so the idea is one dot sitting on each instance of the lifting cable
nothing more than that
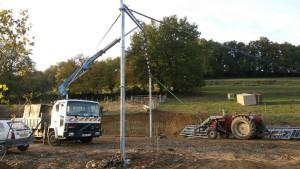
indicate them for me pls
(109, 30)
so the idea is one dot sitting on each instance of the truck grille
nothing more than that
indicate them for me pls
(82, 127)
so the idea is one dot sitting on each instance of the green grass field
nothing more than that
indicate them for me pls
(280, 106)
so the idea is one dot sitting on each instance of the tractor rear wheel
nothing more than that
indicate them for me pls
(212, 133)
(243, 128)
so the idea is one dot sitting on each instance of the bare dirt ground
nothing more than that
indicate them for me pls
(160, 153)
(174, 151)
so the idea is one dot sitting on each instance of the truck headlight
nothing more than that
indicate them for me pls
(97, 133)
(71, 134)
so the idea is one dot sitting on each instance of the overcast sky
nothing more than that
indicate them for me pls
(66, 28)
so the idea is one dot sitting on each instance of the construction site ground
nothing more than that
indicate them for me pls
(167, 149)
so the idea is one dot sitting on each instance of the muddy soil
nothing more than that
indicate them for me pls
(172, 151)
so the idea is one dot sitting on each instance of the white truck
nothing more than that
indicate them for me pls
(65, 120)
(68, 119)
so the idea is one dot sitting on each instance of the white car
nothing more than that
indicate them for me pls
(14, 134)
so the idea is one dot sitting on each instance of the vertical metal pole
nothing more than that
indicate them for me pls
(150, 84)
(122, 65)
(150, 104)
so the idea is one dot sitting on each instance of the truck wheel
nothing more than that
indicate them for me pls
(243, 128)
(52, 140)
(3, 149)
(23, 147)
(212, 133)
(86, 140)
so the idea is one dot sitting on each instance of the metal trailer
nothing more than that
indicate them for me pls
(36, 117)
(240, 126)
(204, 130)
(283, 132)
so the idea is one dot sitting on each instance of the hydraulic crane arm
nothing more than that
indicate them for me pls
(85, 67)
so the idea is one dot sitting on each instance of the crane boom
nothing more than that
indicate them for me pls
(85, 67)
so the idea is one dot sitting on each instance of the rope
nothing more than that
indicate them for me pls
(169, 91)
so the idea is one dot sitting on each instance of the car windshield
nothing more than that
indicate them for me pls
(85, 109)
(18, 125)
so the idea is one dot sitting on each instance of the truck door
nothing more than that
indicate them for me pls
(59, 121)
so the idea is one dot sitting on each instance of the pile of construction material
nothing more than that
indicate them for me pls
(246, 99)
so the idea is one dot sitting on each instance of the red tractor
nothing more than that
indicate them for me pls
(241, 126)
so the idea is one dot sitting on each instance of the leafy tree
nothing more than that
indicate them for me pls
(174, 54)
(256, 59)
(102, 75)
(113, 75)
(268, 56)
(212, 55)
(3, 88)
(15, 43)
(50, 74)
(35, 83)
(96, 77)
(65, 69)
(290, 60)
(136, 59)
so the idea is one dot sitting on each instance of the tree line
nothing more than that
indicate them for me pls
(259, 58)
(171, 51)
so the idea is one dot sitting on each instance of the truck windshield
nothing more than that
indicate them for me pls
(85, 109)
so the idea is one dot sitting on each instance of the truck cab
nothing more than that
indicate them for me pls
(74, 120)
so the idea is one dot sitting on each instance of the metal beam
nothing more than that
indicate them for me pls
(122, 102)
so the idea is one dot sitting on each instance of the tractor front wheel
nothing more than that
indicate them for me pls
(212, 133)
(243, 128)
